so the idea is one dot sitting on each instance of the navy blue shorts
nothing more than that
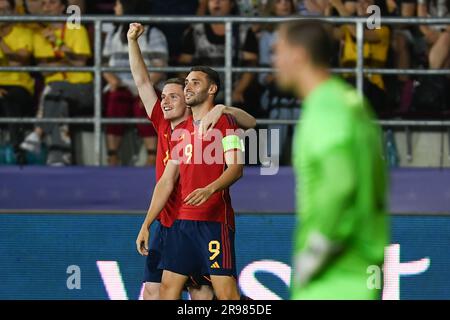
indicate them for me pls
(151, 272)
(155, 243)
(197, 248)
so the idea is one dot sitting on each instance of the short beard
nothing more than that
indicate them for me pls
(197, 100)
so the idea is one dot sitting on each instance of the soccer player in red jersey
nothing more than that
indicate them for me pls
(201, 240)
(165, 115)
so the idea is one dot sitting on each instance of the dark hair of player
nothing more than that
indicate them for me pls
(212, 76)
(179, 81)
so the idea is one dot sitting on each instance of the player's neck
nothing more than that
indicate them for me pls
(176, 122)
(199, 111)
(309, 80)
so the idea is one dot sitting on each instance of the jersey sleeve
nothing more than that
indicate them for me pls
(157, 116)
(336, 127)
(335, 219)
(336, 158)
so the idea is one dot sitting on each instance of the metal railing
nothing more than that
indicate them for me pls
(228, 69)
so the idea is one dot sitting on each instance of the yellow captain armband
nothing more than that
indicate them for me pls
(232, 142)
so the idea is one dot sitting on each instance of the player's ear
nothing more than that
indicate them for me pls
(212, 89)
(299, 56)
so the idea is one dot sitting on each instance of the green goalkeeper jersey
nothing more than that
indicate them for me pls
(341, 187)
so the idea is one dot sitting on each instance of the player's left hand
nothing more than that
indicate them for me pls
(198, 196)
(210, 119)
(142, 241)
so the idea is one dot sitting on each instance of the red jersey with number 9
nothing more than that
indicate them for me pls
(201, 162)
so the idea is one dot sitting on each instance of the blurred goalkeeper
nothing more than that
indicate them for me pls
(341, 176)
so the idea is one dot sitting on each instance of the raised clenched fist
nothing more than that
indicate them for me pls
(135, 31)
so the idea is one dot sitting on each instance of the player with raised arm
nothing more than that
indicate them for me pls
(165, 116)
(201, 240)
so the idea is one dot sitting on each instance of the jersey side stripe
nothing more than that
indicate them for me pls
(225, 255)
(227, 240)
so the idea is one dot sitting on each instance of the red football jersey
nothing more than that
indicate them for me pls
(202, 161)
(162, 126)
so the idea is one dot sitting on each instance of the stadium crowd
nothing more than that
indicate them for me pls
(70, 94)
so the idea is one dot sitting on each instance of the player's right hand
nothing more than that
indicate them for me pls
(135, 31)
(142, 241)
(210, 120)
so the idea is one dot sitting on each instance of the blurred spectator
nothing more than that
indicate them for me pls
(100, 7)
(246, 8)
(279, 105)
(392, 7)
(403, 40)
(204, 44)
(66, 93)
(250, 8)
(174, 31)
(343, 8)
(376, 47)
(121, 96)
(437, 36)
(80, 3)
(33, 7)
(19, 7)
(312, 7)
(431, 93)
(202, 8)
(16, 88)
